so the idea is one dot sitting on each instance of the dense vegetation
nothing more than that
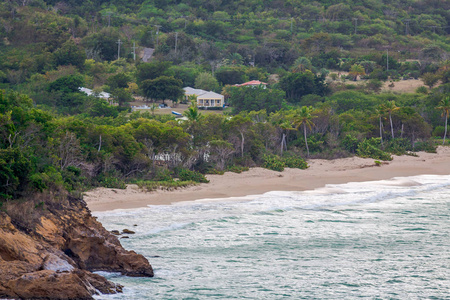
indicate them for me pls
(56, 138)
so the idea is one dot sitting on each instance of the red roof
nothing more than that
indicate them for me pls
(253, 82)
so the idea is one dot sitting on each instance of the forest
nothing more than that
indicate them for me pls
(326, 64)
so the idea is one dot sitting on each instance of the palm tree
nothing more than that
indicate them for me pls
(194, 117)
(390, 107)
(285, 127)
(301, 64)
(444, 105)
(356, 70)
(192, 113)
(305, 118)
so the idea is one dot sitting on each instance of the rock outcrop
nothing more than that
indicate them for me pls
(50, 252)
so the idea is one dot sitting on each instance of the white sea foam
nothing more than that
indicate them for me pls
(360, 239)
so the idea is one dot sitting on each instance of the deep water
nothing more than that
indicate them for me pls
(373, 240)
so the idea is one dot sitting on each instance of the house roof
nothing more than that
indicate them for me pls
(90, 92)
(191, 91)
(252, 83)
(210, 95)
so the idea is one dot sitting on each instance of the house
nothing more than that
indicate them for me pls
(188, 91)
(210, 99)
(253, 83)
(106, 96)
(205, 99)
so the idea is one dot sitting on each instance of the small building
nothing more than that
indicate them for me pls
(188, 91)
(210, 99)
(104, 95)
(253, 83)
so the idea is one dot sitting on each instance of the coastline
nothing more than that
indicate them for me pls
(258, 181)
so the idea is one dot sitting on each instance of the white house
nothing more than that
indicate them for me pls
(210, 99)
(188, 91)
(104, 95)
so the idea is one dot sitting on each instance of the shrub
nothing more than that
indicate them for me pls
(438, 131)
(422, 90)
(162, 174)
(163, 185)
(236, 169)
(188, 175)
(295, 162)
(367, 149)
(350, 143)
(273, 162)
(398, 146)
(112, 182)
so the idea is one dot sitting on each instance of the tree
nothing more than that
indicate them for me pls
(220, 151)
(230, 75)
(241, 124)
(297, 85)
(430, 79)
(70, 54)
(380, 112)
(304, 118)
(206, 81)
(390, 107)
(444, 106)
(255, 99)
(152, 70)
(118, 81)
(301, 64)
(162, 88)
(356, 70)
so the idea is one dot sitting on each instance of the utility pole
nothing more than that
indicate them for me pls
(134, 51)
(356, 23)
(119, 42)
(157, 34)
(176, 41)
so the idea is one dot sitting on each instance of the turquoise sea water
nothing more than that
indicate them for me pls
(374, 240)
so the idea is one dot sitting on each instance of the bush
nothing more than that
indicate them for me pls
(188, 175)
(350, 143)
(164, 185)
(162, 174)
(236, 169)
(427, 146)
(398, 146)
(422, 90)
(295, 162)
(438, 131)
(112, 182)
(368, 149)
(273, 162)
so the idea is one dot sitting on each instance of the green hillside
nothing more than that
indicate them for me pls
(327, 64)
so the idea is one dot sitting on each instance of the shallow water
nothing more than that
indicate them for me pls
(377, 240)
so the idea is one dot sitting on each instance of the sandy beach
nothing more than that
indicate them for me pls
(258, 181)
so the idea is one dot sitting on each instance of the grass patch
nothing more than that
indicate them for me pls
(150, 186)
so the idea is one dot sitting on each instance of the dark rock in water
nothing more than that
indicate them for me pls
(128, 231)
(52, 254)
(115, 232)
(135, 225)
(125, 237)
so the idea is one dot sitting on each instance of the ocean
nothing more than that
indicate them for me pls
(385, 239)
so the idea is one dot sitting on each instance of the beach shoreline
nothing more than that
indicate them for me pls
(258, 181)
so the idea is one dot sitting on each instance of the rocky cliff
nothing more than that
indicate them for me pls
(49, 249)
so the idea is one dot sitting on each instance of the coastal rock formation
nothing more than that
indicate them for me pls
(49, 252)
